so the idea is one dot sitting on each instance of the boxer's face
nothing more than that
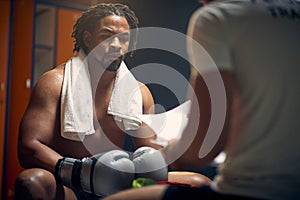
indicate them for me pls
(110, 41)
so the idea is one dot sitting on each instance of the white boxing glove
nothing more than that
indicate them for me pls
(150, 163)
(102, 174)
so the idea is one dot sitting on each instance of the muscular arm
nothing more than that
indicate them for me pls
(190, 157)
(40, 123)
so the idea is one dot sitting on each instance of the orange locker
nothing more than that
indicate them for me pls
(64, 44)
(25, 47)
(21, 63)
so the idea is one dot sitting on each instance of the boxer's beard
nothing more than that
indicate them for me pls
(115, 65)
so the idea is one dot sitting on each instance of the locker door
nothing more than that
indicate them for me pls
(20, 76)
(66, 20)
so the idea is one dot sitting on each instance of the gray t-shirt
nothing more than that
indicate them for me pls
(259, 42)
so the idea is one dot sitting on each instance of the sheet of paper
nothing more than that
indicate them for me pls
(170, 124)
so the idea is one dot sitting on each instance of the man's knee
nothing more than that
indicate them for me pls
(191, 178)
(33, 184)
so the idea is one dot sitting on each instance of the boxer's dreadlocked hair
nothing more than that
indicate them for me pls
(91, 19)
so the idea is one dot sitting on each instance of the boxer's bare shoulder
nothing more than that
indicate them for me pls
(50, 82)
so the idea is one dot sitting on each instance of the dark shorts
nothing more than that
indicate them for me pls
(81, 195)
(175, 192)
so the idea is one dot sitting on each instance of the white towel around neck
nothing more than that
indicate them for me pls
(77, 99)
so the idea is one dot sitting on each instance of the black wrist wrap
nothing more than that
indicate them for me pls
(76, 175)
(57, 170)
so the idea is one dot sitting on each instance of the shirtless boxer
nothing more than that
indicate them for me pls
(40, 143)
